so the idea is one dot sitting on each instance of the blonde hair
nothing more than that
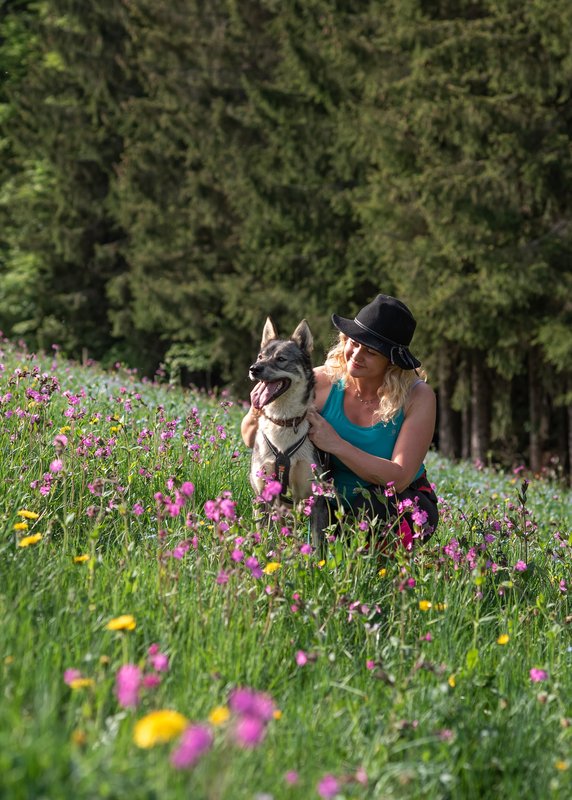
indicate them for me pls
(393, 392)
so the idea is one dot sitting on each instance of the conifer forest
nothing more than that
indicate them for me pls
(173, 172)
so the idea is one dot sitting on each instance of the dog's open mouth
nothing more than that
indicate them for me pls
(266, 392)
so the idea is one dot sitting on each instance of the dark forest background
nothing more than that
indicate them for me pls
(172, 172)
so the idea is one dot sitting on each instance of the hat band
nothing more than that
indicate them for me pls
(377, 335)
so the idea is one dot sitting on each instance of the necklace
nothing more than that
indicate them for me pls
(365, 402)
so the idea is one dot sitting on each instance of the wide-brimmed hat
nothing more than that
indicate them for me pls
(385, 325)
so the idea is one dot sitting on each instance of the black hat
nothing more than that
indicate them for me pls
(386, 325)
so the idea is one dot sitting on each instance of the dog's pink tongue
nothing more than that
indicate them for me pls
(264, 393)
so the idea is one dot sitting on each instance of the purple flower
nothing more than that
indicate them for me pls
(306, 549)
(195, 742)
(159, 661)
(520, 566)
(128, 683)
(249, 731)
(328, 787)
(57, 465)
(249, 702)
(291, 777)
(187, 489)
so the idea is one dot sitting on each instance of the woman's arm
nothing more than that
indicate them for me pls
(408, 453)
(249, 426)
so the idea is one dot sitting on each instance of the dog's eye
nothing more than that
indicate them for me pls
(281, 359)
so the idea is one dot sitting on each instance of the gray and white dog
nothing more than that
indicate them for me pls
(282, 448)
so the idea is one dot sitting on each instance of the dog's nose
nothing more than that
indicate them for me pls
(254, 369)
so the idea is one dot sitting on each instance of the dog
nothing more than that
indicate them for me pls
(282, 448)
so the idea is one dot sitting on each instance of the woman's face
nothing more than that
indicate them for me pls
(363, 362)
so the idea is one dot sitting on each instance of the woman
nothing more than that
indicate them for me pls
(375, 416)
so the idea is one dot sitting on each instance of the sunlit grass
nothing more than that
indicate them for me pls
(443, 675)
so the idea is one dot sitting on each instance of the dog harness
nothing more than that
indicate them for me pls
(282, 463)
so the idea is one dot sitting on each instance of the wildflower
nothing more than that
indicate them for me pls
(252, 564)
(219, 715)
(382, 572)
(151, 681)
(249, 731)
(28, 540)
(21, 526)
(27, 514)
(251, 703)
(56, 465)
(195, 742)
(306, 549)
(451, 680)
(222, 577)
(271, 567)
(128, 685)
(370, 663)
(503, 639)
(81, 559)
(187, 489)
(71, 675)
(126, 622)
(158, 727)
(271, 490)
(520, 566)
(561, 765)
(537, 675)
(328, 787)
(301, 658)
(159, 661)
(425, 605)
(291, 777)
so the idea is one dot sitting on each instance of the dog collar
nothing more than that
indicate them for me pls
(294, 422)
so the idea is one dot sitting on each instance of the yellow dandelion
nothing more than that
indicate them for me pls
(82, 683)
(451, 681)
(503, 638)
(562, 765)
(126, 622)
(219, 715)
(277, 714)
(271, 567)
(382, 572)
(27, 514)
(65, 429)
(322, 563)
(28, 540)
(21, 526)
(158, 727)
(425, 605)
(81, 559)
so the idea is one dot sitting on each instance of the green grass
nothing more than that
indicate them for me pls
(421, 698)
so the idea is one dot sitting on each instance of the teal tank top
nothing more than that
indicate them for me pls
(377, 440)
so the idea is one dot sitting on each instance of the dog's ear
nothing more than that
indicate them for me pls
(268, 333)
(302, 336)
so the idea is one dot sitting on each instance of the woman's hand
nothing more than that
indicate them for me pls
(321, 433)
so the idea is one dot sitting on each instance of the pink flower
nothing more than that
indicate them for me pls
(248, 702)
(195, 742)
(187, 489)
(57, 465)
(249, 731)
(301, 658)
(271, 490)
(159, 661)
(306, 549)
(71, 675)
(291, 777)
(222, 577)
(151, 681)
(537, 675)
(328, 787)
(128, 683)
(520, 566)
(138, 509)
(370, 663)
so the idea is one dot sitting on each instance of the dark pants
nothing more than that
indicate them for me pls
(419, 497)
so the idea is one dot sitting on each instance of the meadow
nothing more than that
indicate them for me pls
(161, 639)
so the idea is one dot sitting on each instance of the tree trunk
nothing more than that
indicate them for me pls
(480, 409)
(569, 414)
(534, 413)
(448, 427)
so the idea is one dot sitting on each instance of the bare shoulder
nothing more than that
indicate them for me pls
(421, 395)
